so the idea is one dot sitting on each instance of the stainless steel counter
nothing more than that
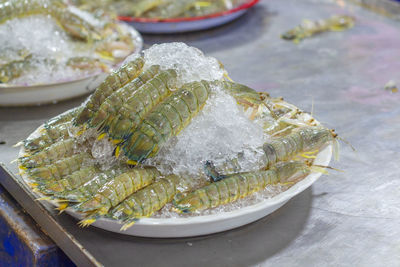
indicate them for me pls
(349, 218)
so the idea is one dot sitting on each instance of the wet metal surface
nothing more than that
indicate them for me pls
(348, 218)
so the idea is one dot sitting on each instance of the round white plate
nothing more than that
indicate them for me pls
(177, 25)
(15, 95)
(207, 224)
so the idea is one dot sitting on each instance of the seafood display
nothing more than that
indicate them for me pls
(149, 140)
(161, 9)
(309, 28)
(47, 41)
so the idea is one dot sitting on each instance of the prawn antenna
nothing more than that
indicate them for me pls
(346, 142)
(312, 106)
(328, 167)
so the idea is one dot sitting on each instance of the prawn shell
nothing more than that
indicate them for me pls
(148, 200)
(299, 140)
(140, 103)
(64, 117)
(59, 169)
(166, 120)
(109, 109)
(71, 181)
(237, 186)
(243, 94)
(48, 136)
(115, 191)
(54, 152)
(113, 82)
(88, 189)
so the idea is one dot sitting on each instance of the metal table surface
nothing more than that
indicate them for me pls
(349, 218)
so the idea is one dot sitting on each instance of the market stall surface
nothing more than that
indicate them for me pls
(348, 218)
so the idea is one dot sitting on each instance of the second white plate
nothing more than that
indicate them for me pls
(53, 92)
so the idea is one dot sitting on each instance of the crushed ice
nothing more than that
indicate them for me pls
(220, 132)
(189, 62)
(102, 152)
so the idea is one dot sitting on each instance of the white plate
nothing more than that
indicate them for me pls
(207, 224)
(177, 25)
(11, 95)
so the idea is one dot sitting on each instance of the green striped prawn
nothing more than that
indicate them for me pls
(79, 186)
(53, 130)
(115, 191)
(149, 95)
(109, 109)
(48, 136)
(14, 68)
(166, 120)
(70, 181)
(140, 7)
(86, 190)
(64, 117)
(300, 142)
(171, 9)
(243, 94)
(112, 83)
(59, 169)
(203, 8)
(56, 151)
(239, 185)
(309, 28)
(147, 201)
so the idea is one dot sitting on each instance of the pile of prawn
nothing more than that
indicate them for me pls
(106, 41)
(160, 9)
(139, 110)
